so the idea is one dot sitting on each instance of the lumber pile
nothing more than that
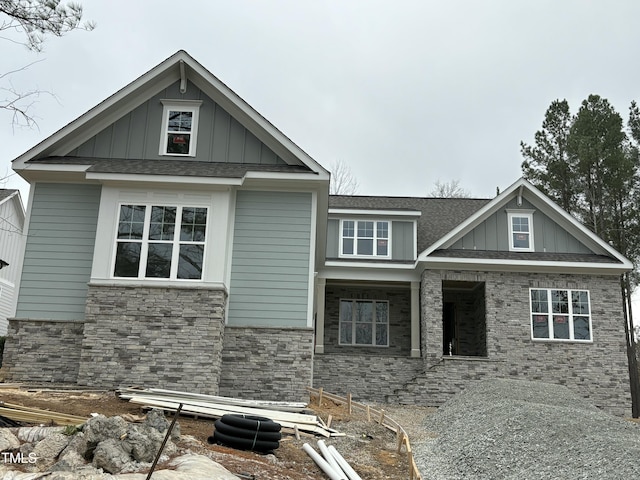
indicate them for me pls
(19, 413)
(287, 414)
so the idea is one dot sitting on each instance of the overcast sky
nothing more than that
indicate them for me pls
(405, 93)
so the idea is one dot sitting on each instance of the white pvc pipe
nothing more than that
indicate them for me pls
(330, 459)
(324, 466)
(350, 472)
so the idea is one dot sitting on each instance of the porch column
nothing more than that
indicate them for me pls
(321, 284)
(415, 319)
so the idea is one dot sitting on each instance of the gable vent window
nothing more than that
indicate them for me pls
(180, 127)
(521, 231)
(156, 241)
(364, 238)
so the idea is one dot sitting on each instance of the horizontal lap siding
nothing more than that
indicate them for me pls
(59, 251)
(270, 261)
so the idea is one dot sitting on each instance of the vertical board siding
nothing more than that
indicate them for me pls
(402, 241)
(11, 244)
(137, 134)
(271, 259)
(493, 234)
(59, 251)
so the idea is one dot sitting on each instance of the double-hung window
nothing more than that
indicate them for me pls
(559, 314)
(520, 232)
(364, 238)
(364, 322)
(180, 127)
(159, 241)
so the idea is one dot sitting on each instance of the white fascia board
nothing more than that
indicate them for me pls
(249, 117)
(369, 275)
(373, 266)
(42, 167)
(525, 265)
(280, 176)
(165, 179)
(377, 213)
(105, 113)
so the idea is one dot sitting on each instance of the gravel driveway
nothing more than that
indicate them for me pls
(509, 429)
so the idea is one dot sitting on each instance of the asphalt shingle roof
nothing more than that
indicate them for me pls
(439, 215)
(170, 167)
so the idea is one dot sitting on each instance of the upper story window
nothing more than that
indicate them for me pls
(559, 314)
(364, 238)
(156, 241)
(180, 127)
(521, 231)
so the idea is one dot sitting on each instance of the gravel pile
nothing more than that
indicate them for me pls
(509, 429)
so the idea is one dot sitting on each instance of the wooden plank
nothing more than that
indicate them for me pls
(217, 413)
(269, 404)
(272, 414)
(39, 417)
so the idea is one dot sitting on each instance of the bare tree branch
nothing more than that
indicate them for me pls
(450, 189)
(343, 182)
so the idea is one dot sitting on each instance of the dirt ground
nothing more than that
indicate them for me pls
(371, 449)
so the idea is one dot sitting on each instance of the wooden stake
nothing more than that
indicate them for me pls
(368, 413)
(381, 417)
(320, 397)
(400, 440)
(296, 432)
(349, 403)
(329, 421)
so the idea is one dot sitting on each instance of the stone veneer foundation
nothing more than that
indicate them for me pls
(267, 363)
(596, 370)
(161, 337)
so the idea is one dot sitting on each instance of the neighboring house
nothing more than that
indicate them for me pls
(178, 239)
(11, 245)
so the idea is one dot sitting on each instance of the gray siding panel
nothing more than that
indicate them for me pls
(59, 251)
(402, 241)
(333, 238)
(270, 260)
(493, 234)
(137, 134)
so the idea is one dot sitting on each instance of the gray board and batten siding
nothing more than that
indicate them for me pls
(402, 238)
(59, 251)
(220, 138)
(493, 233)
(270, 264)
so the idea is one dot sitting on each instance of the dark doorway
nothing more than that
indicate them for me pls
(464, 328)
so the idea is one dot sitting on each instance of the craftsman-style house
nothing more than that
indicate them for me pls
(176, 238)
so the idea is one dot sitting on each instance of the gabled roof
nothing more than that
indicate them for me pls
(7, 195)
(603, 253)
(179, 67)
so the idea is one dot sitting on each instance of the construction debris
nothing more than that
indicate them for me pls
(209, 406)
(19, 413)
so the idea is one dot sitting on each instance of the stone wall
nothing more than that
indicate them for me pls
(366, 377)
(267, 363)
(42, 351)
(164, 337)
(596, 370)
(399, 319)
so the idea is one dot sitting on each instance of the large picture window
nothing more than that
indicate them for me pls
(364, 238)
(364, 322)
(558, 314)
(160, 242)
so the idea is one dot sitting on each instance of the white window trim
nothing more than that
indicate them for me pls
(355, 238)
(182, 106)
(353, 331)
(570, 316)
(520, 214)
(144, 251)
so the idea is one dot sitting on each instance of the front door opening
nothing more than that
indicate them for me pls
(464, 328)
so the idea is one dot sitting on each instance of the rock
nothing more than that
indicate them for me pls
(111, 456)
(156, 419)
(8, 441)
(144, 442)
(186, 467)
(48, 449)
(101, 428)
